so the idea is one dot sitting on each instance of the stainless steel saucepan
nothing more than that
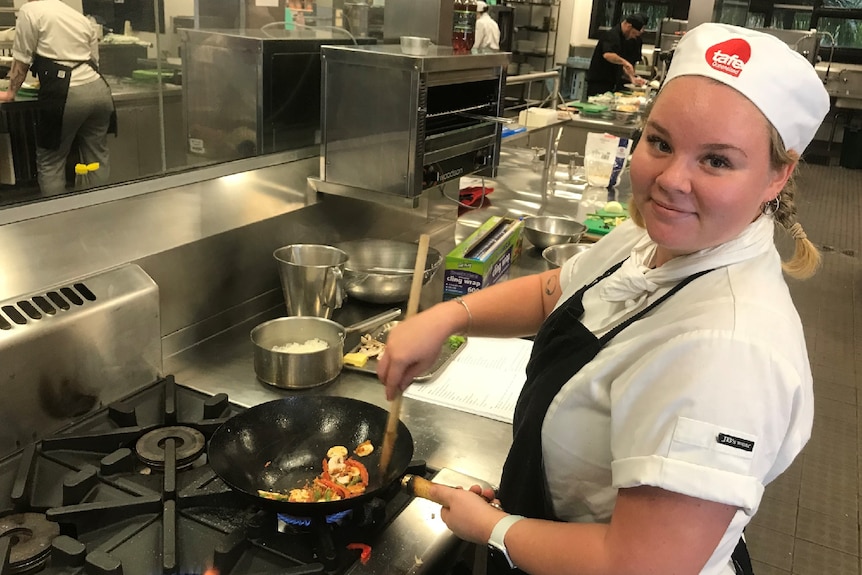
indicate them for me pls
(302, 370)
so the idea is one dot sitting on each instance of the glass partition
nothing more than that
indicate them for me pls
(194, 83)
(839, 21)
(731, 12)
(846, 32)
(608, 13)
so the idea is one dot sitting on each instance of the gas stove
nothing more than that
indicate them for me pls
(128, 491)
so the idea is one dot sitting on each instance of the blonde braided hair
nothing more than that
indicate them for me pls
(806, 257)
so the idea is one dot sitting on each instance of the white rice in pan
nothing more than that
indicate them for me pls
(308, 346)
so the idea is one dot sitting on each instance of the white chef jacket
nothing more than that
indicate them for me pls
(57, 31)
(487, 33)
(709, 395)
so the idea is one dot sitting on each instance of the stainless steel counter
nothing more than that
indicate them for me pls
(470, 444)
(122, 90)
(443, 437)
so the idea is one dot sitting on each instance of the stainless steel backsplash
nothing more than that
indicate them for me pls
(166, 271)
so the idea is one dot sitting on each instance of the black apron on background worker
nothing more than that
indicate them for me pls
(54, 79)
(561, 348)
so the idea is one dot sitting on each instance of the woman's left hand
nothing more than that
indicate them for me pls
(7, 96)
(467, 513)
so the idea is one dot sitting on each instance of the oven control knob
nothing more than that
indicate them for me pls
(481, 158)
(430, 176)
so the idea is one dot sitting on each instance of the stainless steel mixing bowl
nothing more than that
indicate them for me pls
(381, 271)
(544, 231)
(558, 255)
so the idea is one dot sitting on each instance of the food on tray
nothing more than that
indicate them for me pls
(342, 478)
(358, 359)
(370, 347)
(456, 341)
(629, 108)
(355, 359)
(308, 346)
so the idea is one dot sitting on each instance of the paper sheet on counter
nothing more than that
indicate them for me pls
(485, 378)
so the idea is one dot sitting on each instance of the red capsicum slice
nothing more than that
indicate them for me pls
(365, 551)
(342, 492)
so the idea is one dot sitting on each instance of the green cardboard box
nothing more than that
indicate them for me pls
(484, 258)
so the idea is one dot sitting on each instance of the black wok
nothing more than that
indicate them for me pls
(280, 445)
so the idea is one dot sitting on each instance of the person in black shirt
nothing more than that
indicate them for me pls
(616, 53)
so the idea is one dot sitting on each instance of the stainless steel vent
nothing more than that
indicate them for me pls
(50, 303)
(68, 349)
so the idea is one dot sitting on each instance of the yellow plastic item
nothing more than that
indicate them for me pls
(84, 169)
(356, 359)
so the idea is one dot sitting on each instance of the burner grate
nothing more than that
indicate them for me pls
(121, 514)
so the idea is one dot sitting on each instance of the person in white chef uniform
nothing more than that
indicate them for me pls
(60, 45)
(487, 30)
(669, 381)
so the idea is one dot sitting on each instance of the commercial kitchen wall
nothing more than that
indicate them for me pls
(208, 245)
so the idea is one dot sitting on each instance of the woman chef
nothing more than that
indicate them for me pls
(60, 46)
(669, 380)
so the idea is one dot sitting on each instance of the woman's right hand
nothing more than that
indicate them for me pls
(413, 346)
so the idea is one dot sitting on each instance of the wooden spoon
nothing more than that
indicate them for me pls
(412, 307)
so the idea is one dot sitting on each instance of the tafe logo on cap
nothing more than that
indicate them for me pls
(729, 56)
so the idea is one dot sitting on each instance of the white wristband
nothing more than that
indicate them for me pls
(497, 541)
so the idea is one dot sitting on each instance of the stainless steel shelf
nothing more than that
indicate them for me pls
(542, 18)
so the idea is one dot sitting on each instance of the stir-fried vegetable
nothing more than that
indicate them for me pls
(342, 478)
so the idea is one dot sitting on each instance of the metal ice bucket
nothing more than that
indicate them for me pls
(312, 278)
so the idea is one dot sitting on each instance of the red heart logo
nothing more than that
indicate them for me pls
(729, 56)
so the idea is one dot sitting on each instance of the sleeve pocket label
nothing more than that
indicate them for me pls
(707, 444)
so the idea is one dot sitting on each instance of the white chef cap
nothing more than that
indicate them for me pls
(779, 81)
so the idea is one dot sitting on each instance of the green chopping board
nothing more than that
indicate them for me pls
(28, 91)
(588, 108)
(151, 75)
(597, 225)
(604, 214)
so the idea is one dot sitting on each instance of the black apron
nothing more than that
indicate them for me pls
(561, 348)
(54, 81)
